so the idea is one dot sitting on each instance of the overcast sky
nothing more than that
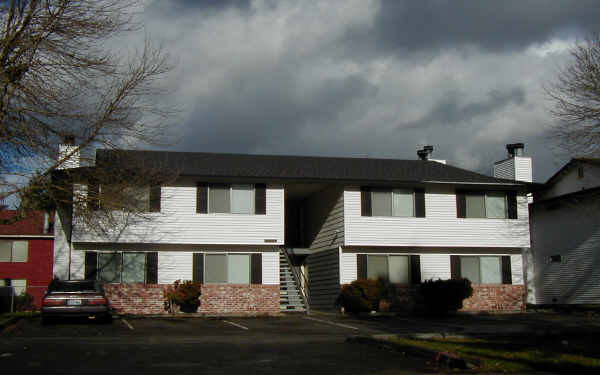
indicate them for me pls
(376, 78)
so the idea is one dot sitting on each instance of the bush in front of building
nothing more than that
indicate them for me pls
(361, 296)
(24, 302)
(184, 294)
(440, 297)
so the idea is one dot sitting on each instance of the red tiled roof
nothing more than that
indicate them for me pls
(33, 224)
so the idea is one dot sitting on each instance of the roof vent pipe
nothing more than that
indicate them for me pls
(515, 149)
(425, 153)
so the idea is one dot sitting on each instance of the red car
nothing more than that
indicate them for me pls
(75, 298)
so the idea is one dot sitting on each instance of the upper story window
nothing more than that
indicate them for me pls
(118, 197)
(392, 202)
(491, 205)
(246, 199)
(14, 251)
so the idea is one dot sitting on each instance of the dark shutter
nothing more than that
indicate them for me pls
(260, 199)
(93, 194)
(415, 269)
(461, 204)
(365, 201)
(506, 270)
(361, 265)
(512, 204)
(91, 265)
(455, 267)
(256, 269)
(202, 198)
(154, 198)
(420, 202)
(198, 267)
(152, 268)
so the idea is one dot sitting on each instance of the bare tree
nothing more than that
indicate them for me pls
(60, 78)
(576, 98)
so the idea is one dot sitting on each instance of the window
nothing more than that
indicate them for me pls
(117, 267)
(481, 269)
(20, 285)
(235, 199)
(131, 198)
(490, 205)
(14, 251)
(395, 268)
(396, 202)
(227, 268)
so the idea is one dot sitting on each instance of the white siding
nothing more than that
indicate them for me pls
(175, 265)
(178, 223)
(518, 168)
(348, 268)
(571, 182)
(60, 266)
(440, 227)
(435, 266)
(270, 268)
(77, 265)
(516, 264)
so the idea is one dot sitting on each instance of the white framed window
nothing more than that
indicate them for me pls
(14, 251)
(395, 202)
(491, 205)
(395, 268)
(481, 269)
(227, 268)
(20, 285)
(231, 199)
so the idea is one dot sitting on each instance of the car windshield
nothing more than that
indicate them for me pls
(73, 286)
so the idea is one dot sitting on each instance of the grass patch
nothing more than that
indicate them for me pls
(6, 317)
(517, 354)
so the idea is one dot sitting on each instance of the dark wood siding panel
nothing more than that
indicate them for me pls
(361, 265)
(365, 201)
(420, 202)
(512, 204)
(461, 204)
(455, 267)
(91, 265)
(415, 269)
(324, 276)
(152, 267)
(260, 199)
(155, 198)
(256, 269)
(506, 270)
(202, 198)
(324, 218)
(198, 267)
(93, 194)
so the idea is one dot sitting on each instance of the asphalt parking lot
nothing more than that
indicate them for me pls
(291, 344)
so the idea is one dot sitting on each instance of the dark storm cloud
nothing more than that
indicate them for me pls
(490, 25)
(449, 111)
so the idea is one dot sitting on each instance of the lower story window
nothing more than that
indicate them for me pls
(121, 267)
(20, 285)
(395, 268)
(227, 268)
(481, 269)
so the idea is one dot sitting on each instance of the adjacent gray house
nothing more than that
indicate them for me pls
(565, 236)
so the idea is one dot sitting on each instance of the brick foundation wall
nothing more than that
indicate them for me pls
(491, 297)
(216, 299)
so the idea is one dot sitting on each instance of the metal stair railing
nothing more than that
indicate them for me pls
(303, 288)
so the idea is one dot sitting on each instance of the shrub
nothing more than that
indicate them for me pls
(443, 296)
(361, 296)
(24, 302)
(183, 294)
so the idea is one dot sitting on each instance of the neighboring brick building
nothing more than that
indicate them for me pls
(26, 253)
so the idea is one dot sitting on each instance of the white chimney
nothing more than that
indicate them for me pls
(516, 166)
(425, 154)
(64, 150)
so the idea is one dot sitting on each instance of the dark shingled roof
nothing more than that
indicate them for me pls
(285, 167)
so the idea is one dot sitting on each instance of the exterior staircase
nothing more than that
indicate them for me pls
(292, 299)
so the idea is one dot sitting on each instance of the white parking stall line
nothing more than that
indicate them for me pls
(332, 323)
(236, 325)
(127, 324)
